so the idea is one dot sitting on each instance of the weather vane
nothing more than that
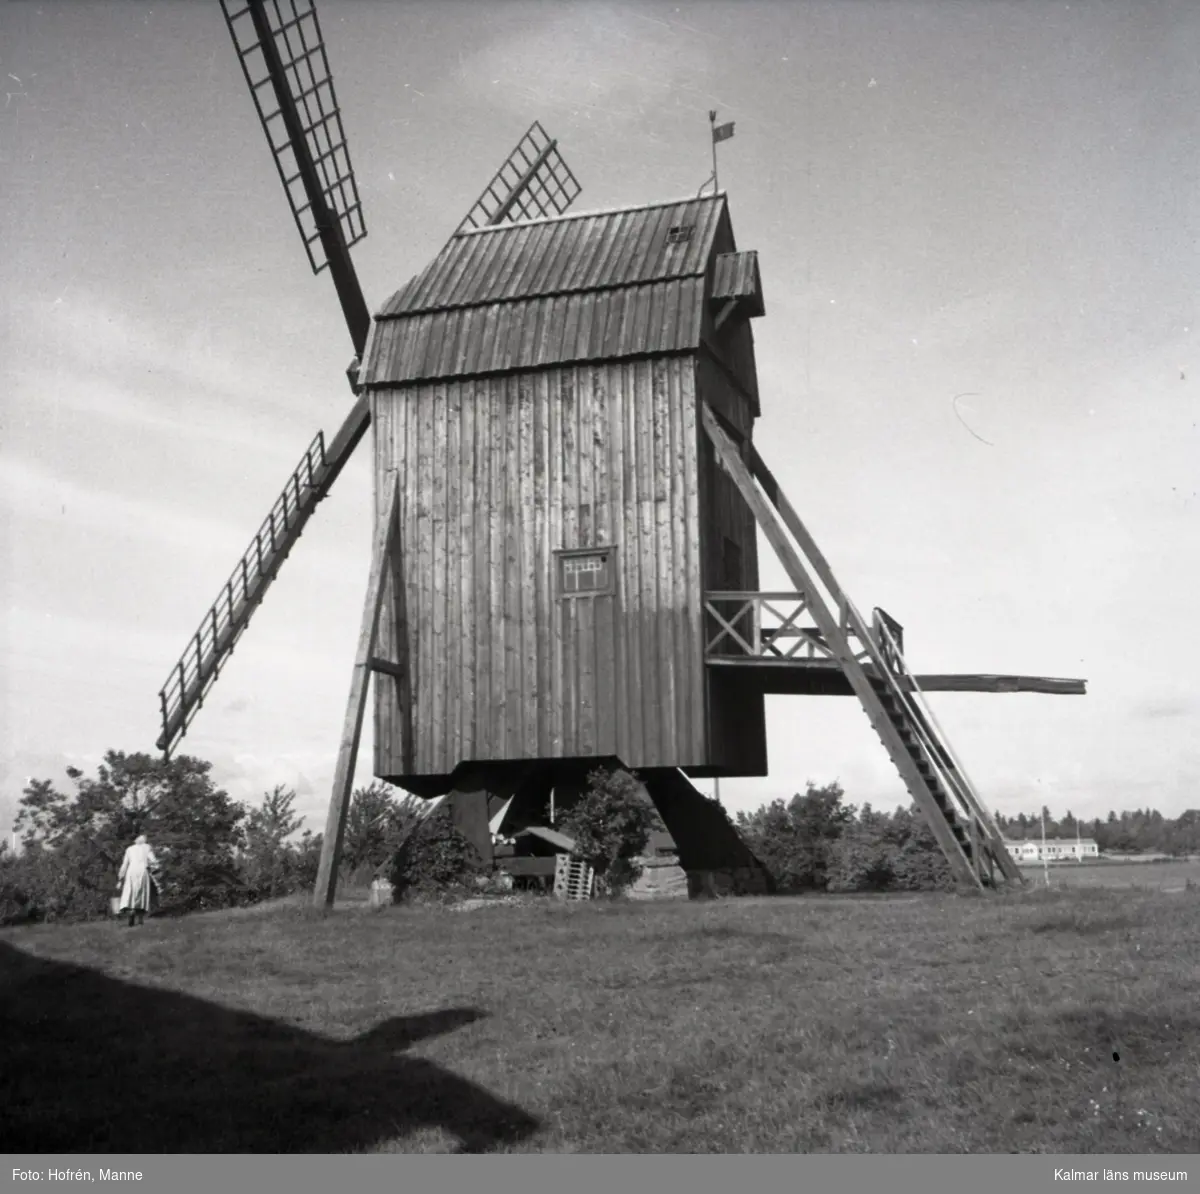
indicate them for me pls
(720, 132)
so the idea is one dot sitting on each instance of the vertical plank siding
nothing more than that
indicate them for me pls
(736, 709)
(737, 738)
(496, 475)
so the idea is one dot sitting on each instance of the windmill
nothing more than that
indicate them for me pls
(567, 502)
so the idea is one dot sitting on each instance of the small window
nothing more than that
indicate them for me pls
(679, 233)
(587, 573)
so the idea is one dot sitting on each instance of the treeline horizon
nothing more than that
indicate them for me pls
(1143, 830)
(219, 852)
(1134, 831)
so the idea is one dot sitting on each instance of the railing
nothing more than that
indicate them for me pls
(891, 670)
(765, 626)
(921, 715)
(198, 666)
(882, 621)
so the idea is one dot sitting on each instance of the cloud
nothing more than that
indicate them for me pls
(612, 62)
(63, 389)
(165, 371)
(34, 492)
(247, 776)
(85, 328)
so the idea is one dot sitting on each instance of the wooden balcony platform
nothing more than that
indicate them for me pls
(769, 637)
(824, 677)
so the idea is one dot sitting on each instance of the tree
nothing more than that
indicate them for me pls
(306, 861)
(275, 820)
(377, 823)
(611, 825)
(268, 860)
(75, 841)
(794, 840)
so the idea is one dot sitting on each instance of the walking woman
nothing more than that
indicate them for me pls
(138, 878)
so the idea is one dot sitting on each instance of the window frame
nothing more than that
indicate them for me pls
(562, 556)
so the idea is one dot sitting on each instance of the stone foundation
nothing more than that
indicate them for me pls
(661, 879)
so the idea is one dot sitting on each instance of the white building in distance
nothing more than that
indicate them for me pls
(1056, 850)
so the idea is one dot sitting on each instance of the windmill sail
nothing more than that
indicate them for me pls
(197, 668)
(282, 52)
(533, 182)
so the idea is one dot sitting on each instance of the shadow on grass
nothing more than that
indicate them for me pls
(89, 1063)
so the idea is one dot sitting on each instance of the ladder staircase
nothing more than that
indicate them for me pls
(873, 663)
(182, 696)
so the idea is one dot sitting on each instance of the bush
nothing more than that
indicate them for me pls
(16, 905)
(306, 861)
(435, 859)
(794, 841)
(862, 859)
(611, 825)
(918, 863)
(815, 843)
(68, 883)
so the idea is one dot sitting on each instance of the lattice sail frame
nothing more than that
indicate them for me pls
(534, 182)
(298, 42)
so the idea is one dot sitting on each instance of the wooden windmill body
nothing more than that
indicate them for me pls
(536, 393)
(567, 506)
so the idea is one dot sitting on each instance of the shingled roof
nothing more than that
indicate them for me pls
(584, 287)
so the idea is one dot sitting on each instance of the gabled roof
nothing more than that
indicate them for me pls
(559, 840)
(590, 286)
(564, 255)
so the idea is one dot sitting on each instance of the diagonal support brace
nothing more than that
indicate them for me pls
(343, 780)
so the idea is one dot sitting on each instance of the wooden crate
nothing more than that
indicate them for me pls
(573, 878)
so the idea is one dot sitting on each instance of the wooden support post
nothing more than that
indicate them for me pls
(976, 861)
(343, 779)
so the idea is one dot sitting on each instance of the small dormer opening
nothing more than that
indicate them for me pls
(679, 233)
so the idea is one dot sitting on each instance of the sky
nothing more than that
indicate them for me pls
(996, 200)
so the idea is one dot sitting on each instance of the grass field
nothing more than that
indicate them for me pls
(1153, 876)
(1044, 1022)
